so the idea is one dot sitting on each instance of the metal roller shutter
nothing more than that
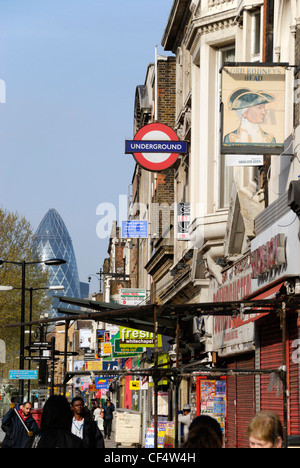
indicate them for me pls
(271, 357)
(240, 402)
(293, 380)
(245, 401)
(231, 408)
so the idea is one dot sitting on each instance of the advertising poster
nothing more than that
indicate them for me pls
(253, 104)
(213, 400)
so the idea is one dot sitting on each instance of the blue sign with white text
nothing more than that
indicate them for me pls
(164, 146)
(135, 229)
(22, 374)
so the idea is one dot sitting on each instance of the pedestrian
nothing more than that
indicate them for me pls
(108, 410)
(265, 431)
(56, 426)
(84, 426)
(204, 432)
(185, 419)
(18, 424)
(98, 416)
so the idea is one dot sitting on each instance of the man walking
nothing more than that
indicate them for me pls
(108, 409)
(83, 425)
(18, 425)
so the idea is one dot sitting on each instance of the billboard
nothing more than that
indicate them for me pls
(253, 108)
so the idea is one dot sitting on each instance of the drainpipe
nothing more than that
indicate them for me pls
(268, 42)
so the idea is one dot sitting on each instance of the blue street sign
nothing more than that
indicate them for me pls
(22, 374)
(135, 229)
(164, 146)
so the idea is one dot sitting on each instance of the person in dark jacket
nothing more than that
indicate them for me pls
(56, 426)
(18, 424)
(108, 410)
(84, 426)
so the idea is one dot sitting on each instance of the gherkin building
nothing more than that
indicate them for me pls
(53, 241)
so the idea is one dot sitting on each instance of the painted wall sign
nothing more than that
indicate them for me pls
(253, 108)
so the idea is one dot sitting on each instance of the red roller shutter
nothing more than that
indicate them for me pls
(245, 401)
(293, 377)
(231, 408)
(271, 357)
(240, 402)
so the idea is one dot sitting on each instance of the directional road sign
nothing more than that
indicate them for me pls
(156, 147)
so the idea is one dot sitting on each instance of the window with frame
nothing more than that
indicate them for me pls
(256, 38)
(225, 173)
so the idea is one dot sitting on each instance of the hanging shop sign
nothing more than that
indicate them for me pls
(132, 296)
(183, 221)
(155, 147)
(253, 108)
(131, 337)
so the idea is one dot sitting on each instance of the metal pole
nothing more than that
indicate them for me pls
(176, 380)
(156, 86)
(284, 376)
(52, 365)
(22, 331)
(155, 378)
(65, 355)
(30, 329)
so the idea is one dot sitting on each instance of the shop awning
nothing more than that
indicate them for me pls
(165, 316)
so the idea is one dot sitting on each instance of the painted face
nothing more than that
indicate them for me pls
(256, 114)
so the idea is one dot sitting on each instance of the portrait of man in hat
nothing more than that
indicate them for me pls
(250, 108)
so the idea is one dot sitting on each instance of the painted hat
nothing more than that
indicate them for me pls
(244, 97)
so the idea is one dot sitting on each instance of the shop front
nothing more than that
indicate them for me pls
(233, 342)
(275, 263)
(266, 339)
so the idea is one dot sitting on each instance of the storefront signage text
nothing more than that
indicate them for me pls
(269, 256)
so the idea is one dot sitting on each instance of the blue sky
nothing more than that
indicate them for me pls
(71, 68)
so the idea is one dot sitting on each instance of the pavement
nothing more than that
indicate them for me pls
(110, 443)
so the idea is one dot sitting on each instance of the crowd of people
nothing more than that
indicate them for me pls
(62, 425)
(74, 426)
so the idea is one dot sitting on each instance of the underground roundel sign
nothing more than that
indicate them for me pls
(155, 147)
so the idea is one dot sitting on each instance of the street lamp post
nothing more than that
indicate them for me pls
(23, 264)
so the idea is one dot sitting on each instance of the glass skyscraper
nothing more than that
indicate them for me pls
(54, 241)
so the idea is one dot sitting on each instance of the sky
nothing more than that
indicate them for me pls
(70, 70)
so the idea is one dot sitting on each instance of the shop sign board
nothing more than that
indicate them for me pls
(275, 253)
(231, 334)
(101, 384)
(132, 296)
(253, 108)
(183, 221)
(139, 338)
